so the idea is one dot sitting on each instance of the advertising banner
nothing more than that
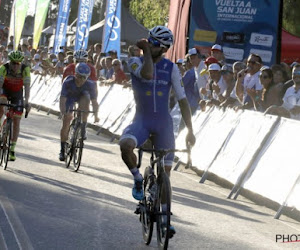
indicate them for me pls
(20, 13)
(240, 27)
(39, 20)
(112, 27)
(62, 24)
(85, 12)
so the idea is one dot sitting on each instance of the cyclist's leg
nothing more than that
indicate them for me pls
(17, 99)
(3, 99)
(66, 120)
(134, 135)
(84, 104)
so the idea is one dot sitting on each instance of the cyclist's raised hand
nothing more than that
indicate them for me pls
(96, 119)
(143, 44)
(190, 138)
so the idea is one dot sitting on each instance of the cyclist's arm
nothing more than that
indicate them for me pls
(62, 105)
(95, 108)
(147, 68)
(26, 80)
(181, 97)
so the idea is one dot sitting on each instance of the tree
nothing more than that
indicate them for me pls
(149, 12)
(291, 16)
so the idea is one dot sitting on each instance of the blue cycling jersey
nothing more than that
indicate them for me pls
(152, 96)
(70, 90)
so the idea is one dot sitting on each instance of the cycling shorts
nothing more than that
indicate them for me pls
(15, 98)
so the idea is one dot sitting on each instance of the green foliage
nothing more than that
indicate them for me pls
(150, 12)
(291, 16)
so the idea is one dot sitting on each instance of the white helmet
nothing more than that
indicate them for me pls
(81, 55)
(163, 35)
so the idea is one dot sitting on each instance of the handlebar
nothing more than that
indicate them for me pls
(11, 105)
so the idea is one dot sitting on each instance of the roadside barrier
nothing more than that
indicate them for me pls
(256, 152)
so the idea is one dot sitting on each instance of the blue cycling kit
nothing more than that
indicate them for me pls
(152, 104)
(73, 93)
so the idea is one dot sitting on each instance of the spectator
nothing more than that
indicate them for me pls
(180, 66)
(134, 51)
(36, 68)
(217, 52)
(119, 76)
(228, 77)
(61, 63)
(279, 74)
(10, 47)
(271, 94)
(113, 54)
(249, 79)
(198, 64)
(291, 100)
(4, 57)
(109, 69)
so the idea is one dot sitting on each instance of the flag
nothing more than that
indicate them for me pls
(12, 22)
(112, 27)
(39, 20)
(84, 18)
(20, 12)
(62, 24)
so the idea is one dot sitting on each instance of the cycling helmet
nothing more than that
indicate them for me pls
(162, 35)
(83, 69)
(16, 56)
(81, 55)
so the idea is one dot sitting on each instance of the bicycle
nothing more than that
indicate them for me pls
(74, 145)
(6, 132)
(156, 185)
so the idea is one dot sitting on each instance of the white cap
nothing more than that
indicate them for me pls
(180, 61)
(216, 47)
(193, 51)
(227, 68)
(214, 66)
(36, 57)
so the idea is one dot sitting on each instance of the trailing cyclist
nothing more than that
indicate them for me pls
(152, 78)
(77, 88)
(15, 75)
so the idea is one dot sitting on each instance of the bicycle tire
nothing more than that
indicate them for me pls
(6, 140)
(147, 219)
(69, 145)
(163, 219)
(78, 148)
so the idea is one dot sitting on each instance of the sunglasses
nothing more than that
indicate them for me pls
(252, 62)
(263, 76)
(15, 63)
(115, 64)
(81, 77)
(155, 43)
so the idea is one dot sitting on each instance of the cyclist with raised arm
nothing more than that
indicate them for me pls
(79, 89)
(14, 76)
(152, 78)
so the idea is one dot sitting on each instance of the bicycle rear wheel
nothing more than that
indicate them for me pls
(69, 150)
(146, 204)
(163, 219)
(5, 146)
(78, 148)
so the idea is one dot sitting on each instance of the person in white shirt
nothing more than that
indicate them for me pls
(249, 79)
(36, 68)
(199, 65)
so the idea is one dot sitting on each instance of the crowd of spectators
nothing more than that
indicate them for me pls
(208, 80)
(249, 84)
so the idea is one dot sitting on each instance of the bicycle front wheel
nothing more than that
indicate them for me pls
(5, 146)
(163, 216)
(146, 207)
(78, 148)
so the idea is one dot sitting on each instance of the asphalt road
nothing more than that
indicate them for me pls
(46, 206)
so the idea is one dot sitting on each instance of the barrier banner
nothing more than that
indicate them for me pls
(85, 12)
(277, 166)
(39, 20)
(240, 27)
(20, 13)
(112, 27)
(61, 25)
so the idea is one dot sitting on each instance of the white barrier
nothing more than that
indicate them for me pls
(248, 149)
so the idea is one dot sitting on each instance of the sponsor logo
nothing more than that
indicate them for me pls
(134, 66)
(233, 54)
(232, 37)
(261, 39)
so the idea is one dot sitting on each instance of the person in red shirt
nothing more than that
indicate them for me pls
(119, 76)
(79, 56)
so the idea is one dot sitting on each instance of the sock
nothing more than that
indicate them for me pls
(12, 146)
(62, 146)
(136, 174)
